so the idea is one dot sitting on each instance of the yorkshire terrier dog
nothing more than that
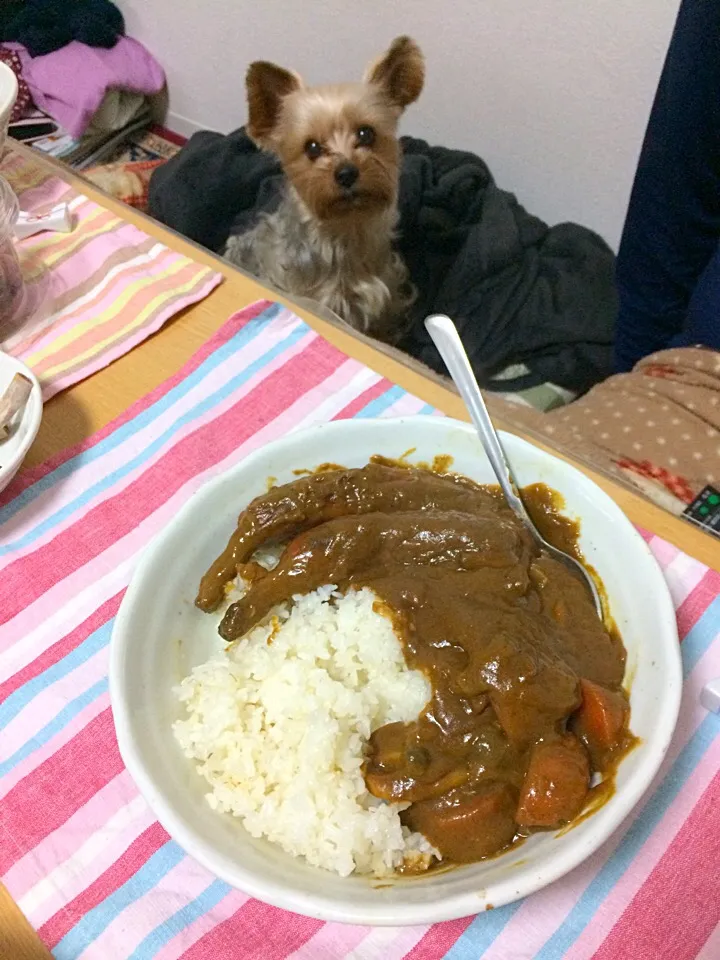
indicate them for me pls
(331, 237)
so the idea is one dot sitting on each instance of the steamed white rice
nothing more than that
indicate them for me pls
(279, 725)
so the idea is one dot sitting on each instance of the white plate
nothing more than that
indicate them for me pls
(159, 636)
(26, 424)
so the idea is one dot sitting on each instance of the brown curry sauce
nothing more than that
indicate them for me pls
(527, 701)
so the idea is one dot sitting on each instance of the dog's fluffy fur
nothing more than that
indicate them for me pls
(329, 241)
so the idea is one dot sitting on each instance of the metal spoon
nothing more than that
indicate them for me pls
(447, 340)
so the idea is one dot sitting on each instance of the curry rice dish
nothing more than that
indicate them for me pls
(412, 681)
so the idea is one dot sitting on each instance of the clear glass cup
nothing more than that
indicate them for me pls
(24, 281)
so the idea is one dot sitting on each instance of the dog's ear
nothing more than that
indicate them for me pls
(399, 72)
(267, 85)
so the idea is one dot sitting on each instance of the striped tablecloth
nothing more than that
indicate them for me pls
(109, 285)
(81, 852)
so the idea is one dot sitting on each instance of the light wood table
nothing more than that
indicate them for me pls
(83, 409)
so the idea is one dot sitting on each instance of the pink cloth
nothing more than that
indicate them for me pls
(80, 850)
(70, 83)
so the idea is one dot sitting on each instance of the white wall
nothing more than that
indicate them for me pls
(553, 94)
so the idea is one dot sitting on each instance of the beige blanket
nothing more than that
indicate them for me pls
(657, 427)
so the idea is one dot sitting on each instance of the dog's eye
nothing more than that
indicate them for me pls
(313, 150)
(365, 136)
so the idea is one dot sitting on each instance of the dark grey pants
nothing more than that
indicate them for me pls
(668, 268)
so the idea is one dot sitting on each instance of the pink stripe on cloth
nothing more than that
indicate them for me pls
(362, 400)
(83, 479)
(663, 551)
(228, 330)
(88, 221)
(656, 923)
(112, 563)
(181, 942)
(331, 940)
(58, 847)
(148, 843)
(711, 947)
(390, 943)
(181, 884)
(103, 235)
(56, 344)
(60, 649)
(54, 791)
(129, 294)
(91, 304)
(32, 637)
(406, 406)
(133, 303)
(110, 570)
(46, 194)
(439, 939)
(86, 873)
(265, 932)
(121, 347)
(43, 708)
(654, 850)
(539, 916)
(38, 758)
(27, 579)
(695, 604)
(93, 552)
(82, 252)
(682, 575)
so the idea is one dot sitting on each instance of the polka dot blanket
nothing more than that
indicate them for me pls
(657, 427)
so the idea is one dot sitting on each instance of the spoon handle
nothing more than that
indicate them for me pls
(447, 340)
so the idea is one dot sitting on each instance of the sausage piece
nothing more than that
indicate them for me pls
(556, 783)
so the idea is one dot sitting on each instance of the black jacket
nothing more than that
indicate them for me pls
(519, 291)
(43, 26)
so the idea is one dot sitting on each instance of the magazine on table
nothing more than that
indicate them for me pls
(45, 134)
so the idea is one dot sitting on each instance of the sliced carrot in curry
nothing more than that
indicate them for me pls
(601, 718)
(556, 783)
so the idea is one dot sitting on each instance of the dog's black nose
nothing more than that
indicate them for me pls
(346, 175)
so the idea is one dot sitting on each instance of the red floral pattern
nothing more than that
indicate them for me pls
(677, 485)
(24, 98)
(662, 370)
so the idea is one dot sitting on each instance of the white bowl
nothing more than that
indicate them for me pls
(159, 636)
(8, 96)
(24, 429)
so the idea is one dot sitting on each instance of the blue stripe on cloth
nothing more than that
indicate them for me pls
(380, 403)
(482, 932)
(180, 920)
(584, 910)
(60, 720)
(90, 926)
(235, 343)
(701, 636)
(165, 438)
(19, 698)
